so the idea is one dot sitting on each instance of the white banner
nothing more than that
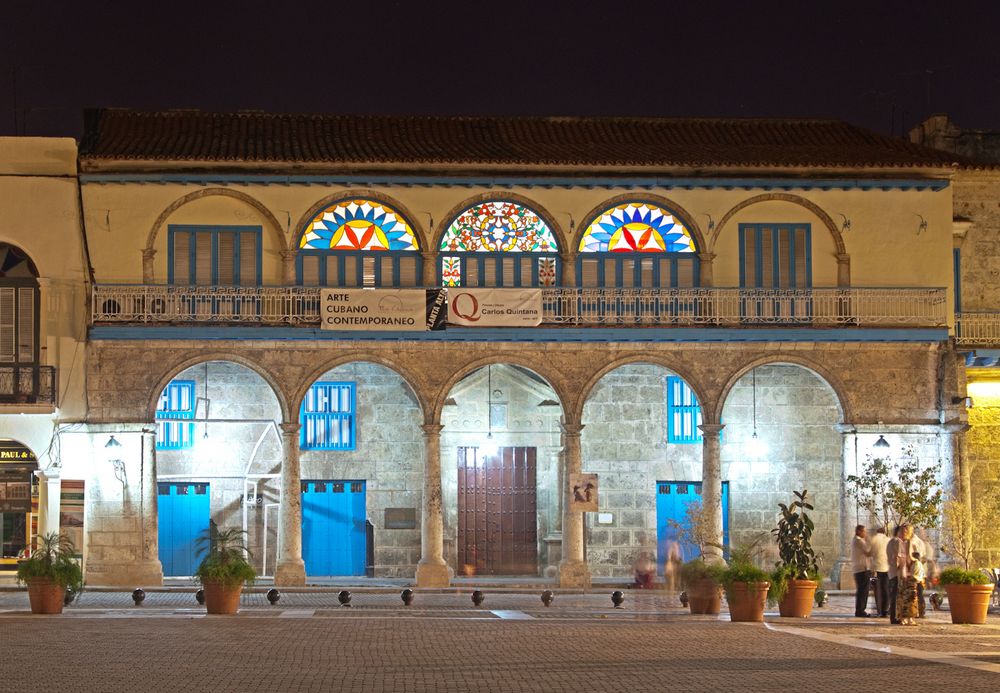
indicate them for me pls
(373, 309)
(495, 307)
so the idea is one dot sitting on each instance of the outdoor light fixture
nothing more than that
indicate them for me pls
(881, 443)
(755, 446)
(846, 226)
(113, 451)
(489, 448)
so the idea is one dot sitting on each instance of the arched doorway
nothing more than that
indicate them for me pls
(501, 473)
(218, 462)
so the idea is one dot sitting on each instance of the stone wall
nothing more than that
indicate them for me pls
(977, 201)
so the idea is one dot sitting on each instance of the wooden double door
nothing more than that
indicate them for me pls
(497, 513)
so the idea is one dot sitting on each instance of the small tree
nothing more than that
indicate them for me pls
(898, 492)
(794, 537)
(696, 528)
(967, 531)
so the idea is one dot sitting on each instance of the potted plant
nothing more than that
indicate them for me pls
(703, 583)
(746, 584)
(50, 570)
(795, 577)
(968, 594)
(224, 568)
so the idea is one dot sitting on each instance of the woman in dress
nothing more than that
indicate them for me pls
(907, 608)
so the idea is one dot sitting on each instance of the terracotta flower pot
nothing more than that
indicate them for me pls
(747, 600)
(968, 603)
(798, 600)
(220, 599)
(704, 597)
(46, 596)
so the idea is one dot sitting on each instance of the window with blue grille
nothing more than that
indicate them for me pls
(683, 412)
(177, 403)
(327, 417)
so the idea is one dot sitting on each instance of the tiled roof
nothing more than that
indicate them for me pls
(248, 138)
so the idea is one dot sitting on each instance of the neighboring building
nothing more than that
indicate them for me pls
(703, 284)
(43, 328)
(976, 193)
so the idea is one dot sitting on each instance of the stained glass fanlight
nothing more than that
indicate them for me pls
(636, 227)
(358, 225)
(498, 226)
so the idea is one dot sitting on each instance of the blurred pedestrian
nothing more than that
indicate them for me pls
(880, 566)
(860, 553)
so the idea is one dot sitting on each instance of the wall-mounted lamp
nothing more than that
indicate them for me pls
(113, 450)
(755, 447)
(572, 224)
(489, 446)
(548, 403)
(965, 401)
(846, 226)
(881, 443)
(923, 225)
(711, 222)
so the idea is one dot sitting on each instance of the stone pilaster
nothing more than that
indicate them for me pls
(954, 442)
(49, 497)
(843, 271)
(432, 571)
(288, 266)
(568, 262)
(291, 569)
(705, 272)
(711, 486)
(573, 569)
(148, 276)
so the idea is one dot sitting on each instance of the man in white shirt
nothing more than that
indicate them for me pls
(859, 565)
(891, 550)
(880, 566)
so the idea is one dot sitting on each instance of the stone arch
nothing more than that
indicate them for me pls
(360, 194)
(838, 239)
(546, 216)
(357, 357)
(197, 359)
(829, 378)
(272, 222)
(513, 359)
(666, 203)
(696, 386)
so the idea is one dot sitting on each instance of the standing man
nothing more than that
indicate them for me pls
(891, 551)
(859, 565)
(880, 566)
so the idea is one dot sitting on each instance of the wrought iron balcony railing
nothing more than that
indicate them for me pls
(27, 384)
(725, 307)
(977, 329)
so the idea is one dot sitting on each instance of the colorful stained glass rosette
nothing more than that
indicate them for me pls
(358, 225)
(498, 226)
(636, 227)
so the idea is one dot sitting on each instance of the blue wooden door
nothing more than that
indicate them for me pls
(672, 499)
(184, 513)
(333, 527)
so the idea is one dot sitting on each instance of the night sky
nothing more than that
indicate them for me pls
(884, 65)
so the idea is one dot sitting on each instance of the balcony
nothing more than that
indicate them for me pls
(562, 307)
(977, 330)
(28, 384)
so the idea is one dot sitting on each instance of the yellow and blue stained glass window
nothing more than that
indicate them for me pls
(358, 225)
(636, 227)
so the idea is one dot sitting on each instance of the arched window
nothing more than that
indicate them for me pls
(498, 243)
(637, 244)
(358, 242)
(19, 310)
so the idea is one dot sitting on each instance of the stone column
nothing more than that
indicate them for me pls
(291, 569)
(148, 255)
(568, 262)
(842, 572)
(711, 486)
(148, 515)
(432, 571)
(705, 272)
(844, 273)
(288, 266)
(430, 258)
(573, 569)
(49, 498)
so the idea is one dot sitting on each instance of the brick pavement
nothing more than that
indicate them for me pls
(443, 643)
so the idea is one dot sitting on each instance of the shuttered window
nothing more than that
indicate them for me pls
(775, 256)
(327, 417)
(177, 403)
(683, 412)
(637, 270)
(214, 255)
(18, 324)
(358, 268)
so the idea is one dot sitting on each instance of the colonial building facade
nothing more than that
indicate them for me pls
(706, 288)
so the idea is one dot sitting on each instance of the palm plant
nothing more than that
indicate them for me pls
(226, 557)
(53, 559)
